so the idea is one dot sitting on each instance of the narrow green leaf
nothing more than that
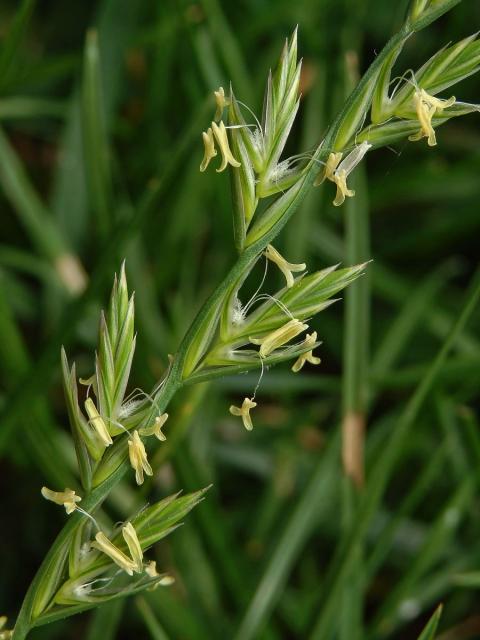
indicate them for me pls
(19, 108)
(12, 41)
(30, 209)
(105, 621)
(469, 580)
(97, 152)
(430, 630)
(384, 466)
(155, 630)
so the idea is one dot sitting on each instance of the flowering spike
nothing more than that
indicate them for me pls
(103, 544)
(221, 102)
(222, 139)
(97, 422)
(156, 428)
(244, 412)
(285, 267)
(279, 337)
(138, 457)
(308, 356)
(210, 151)
(66, 498)
(131, 538)
(426, 106)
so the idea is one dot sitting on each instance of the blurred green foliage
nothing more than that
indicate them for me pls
(99, 160)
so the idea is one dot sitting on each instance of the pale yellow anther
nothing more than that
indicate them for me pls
(210, 151)
(103, 544)
(5, 634)
(327, 172)
(308, 356)
(285, 267)
(138, 457)
(156, 428)
(130, 536)
(279, 337)
(425, 107)
(97, 422)
(221, 102)
(221, 137)
(340, 179)
(337, 170)
(66, 498)
(151, 569)
(244, 412)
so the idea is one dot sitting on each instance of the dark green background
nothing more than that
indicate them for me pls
(160, 61)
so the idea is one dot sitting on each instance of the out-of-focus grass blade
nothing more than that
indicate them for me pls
(116, 26)
(305, 514)
(395, 289)
(36, 219)
(207, 59)
(355, 383)
(154, 628)
(96, 147)
(41, 438)
(422, 485)
(201, 578)
(460, 464)
(17, 108)
(174, 614)
(11, 43)
(27, 263)
(440, 535)
(105, 621)
(68, 199)
(452, 370)
(406, 321)
(229, 48)
(217, 536)
(382, 470)
(472, 428)
(430, 630)
(470, 580)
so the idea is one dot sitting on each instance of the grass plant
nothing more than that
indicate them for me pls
(320, 503)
